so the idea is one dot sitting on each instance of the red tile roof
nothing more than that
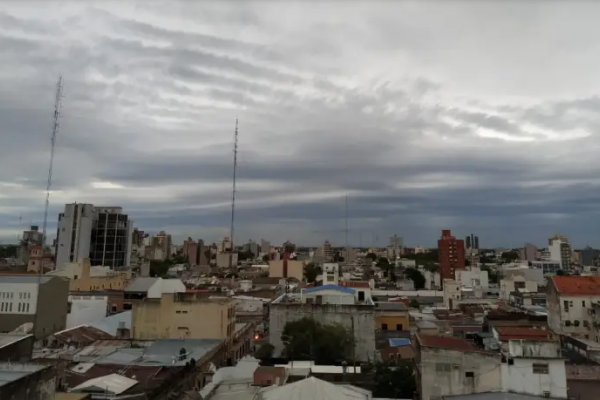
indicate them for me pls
(577, 285)
(355, 284)
(448, 343)
(506, 333)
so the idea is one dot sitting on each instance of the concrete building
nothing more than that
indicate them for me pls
(160, 246)
(82, 276)
(251, 247)
(102, 234)
(38, 259)
(472, 277)
(570, 304)
(24, 296)
(183, 315)
(529, 252)
(516, 283)
(86, 309)
(286, 269)
(432, 279)
(391, 316)
(560, 251)
(451, 253)
(448, 367)
(589, 256)
(265, 246)
(324, 253)
(396, 247)
(224, 259)
(31, 237)
(21, 381)
(549, 267)
(327, 304)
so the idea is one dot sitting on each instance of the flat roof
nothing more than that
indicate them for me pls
(6, 339)
(11, 372)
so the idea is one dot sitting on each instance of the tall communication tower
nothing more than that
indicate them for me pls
(55, 126)
(231, 230)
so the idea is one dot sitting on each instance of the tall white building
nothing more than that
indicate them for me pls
(396, 247)
(102, 234)
(560, 250)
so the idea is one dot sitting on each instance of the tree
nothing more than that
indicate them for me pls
(416, 276)
(413, 304)
(395, 380)
(311, 271)
(372, 256)
(266, 258)
(307, 339)
(265, 351)
(510, 256)
(245, 255)
(9, 251)
(492, 274)
(560, 272)
(159, 268)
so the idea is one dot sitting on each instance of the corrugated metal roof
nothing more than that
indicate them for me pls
(312, 388)
(112, 383)
(141, 284)
(10, 372)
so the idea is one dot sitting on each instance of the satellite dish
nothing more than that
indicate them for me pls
(24, 329)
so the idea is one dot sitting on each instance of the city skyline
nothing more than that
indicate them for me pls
(423, 125)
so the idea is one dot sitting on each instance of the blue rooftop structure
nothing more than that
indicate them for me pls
(397, 342)
(330, 287)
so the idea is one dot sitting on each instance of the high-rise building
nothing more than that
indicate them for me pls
(451, 253)
(102, 234)
(472, 242)
(560, 250)
(265, 246)
(395, 249)
(251, 247)
(529, 252)
(289, 247)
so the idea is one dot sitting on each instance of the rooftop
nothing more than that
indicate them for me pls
(110, 324)
(141, 284)
(391, 306)
(313, 388)
(355, 284)
(330, 287)
(447, 343)
(10, 372)
(6, 339)
(82, 335)
(25, 278)
(577, 285)
(506, 333)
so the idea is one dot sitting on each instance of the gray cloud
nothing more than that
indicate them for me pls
(424, 129)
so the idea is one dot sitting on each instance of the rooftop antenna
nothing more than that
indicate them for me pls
(55, 126)
(231, 230)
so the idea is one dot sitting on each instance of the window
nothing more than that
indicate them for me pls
(398, 327)
(540, 368)
(384, 327)
(566, 305)
(19, 306)
(582, 303)
(469, 374)
(27, 307)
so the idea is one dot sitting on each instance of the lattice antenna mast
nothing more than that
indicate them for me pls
(55, 127)
(231, 230)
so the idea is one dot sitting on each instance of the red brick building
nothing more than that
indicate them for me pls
(451, 253)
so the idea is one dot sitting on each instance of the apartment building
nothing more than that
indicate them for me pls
(24, 296)
(183, 315)
(570, 302)
(451, 253)
(560, 251)
(286, 269)
(102, 234)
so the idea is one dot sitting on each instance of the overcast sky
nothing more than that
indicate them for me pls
(477, 117)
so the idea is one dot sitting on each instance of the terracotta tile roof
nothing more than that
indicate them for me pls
(577, 285)
(355, 284)
(448, 343)
(506, 333)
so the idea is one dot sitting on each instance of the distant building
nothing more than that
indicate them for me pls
(24, 296)
(30, 238)
(451, 253)
(472, 242)
(396, 247)
(37, 259)
(529, 252)
(82, 276)
(251, 247)
(287, 269)
(265, 246)
(589, 256)
(324, 253)
(560, 250)
(102, 234)
(289, 247)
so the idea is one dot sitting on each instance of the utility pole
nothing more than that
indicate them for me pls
(231, 230)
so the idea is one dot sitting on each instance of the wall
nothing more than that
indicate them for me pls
(167, 318)
(472, 277)
(20, 350)
(223, 260)
(583, 372)
(81, 236)
(392, 319)
(295, 269)
(443, 373)
(363, 316)
(520, 377)
(83, 277)
(578, 310)
(86, 309)
(330, 296)
(39, 385)
(20, 298)
(452, 293)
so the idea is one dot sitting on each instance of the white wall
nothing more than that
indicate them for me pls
(83, 219)
(472, 277)
(520, 378)
(329, 296)
(20, 298)
(86, 309)
(578, 310)
(165, 286)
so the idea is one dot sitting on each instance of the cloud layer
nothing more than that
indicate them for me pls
(476, 118)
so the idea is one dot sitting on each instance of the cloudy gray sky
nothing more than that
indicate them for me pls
(471, 116)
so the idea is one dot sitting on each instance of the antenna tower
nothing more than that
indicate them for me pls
(346, 230)
(55, 126)
(231, 230)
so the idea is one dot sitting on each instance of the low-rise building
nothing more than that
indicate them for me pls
(183, 315)
(37, 299)
(21, 381)
(327, 304)
(570, 304)
(391, 316)
(516, 283)
(84, 277)
(286, 269)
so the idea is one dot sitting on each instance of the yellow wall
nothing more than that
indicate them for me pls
(182, 315)
(295, 269)
(80, 279)
(392, 320)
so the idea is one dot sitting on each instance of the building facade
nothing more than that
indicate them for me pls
(560, 251)
(328, 304)
(472, 242)
(40, 300)
(102, 234)
(451, 253)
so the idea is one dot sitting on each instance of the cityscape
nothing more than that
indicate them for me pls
(264, 201)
